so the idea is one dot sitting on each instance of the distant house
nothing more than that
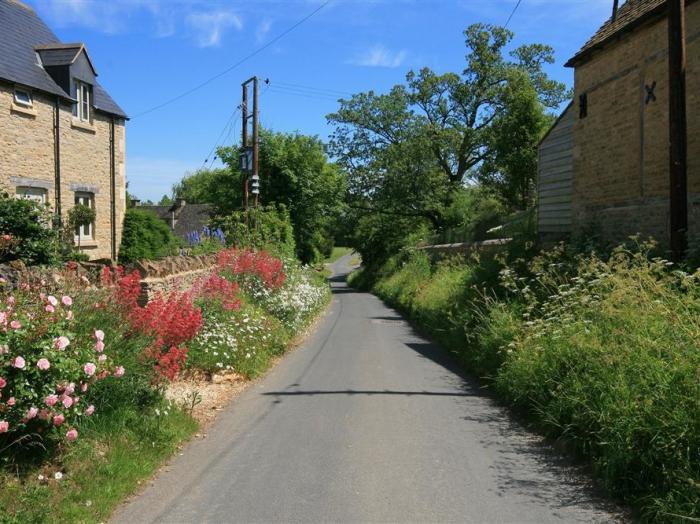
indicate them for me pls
(605, 163)
(183, 218)
(62, 137)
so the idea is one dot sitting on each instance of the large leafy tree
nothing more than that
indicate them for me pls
(410, 151)
(294, 172)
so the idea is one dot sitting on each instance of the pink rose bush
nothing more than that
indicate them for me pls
(47, 363)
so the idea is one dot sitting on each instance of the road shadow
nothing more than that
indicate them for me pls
(351, 392)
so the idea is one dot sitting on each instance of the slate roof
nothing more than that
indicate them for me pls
(21, 33)
(190, 217)
(630, 15)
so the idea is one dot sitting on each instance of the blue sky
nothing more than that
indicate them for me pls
(148, 51)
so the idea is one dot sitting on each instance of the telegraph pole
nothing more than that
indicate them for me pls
(247, 146)
(678, 140)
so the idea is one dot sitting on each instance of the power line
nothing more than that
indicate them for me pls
(512, 13)
(228, 124)
(232, 67)
(306, 94)
(312, 88)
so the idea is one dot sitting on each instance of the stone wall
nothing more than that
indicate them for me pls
(178, 273)
(27, 158)
(621, 160)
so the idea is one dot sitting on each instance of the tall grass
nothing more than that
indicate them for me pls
(604, 353)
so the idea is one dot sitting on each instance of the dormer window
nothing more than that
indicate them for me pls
(83, 93)
(23, 97)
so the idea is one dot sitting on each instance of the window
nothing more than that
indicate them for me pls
(583, 105)
(83, 93)
(38, 194)
(85, 232)
(23, 97)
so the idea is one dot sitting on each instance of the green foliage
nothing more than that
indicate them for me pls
(32, 240)
(471, 214)
(219, 187)
(295, 172)
(603, 353)
(145, 236)
(409, 152)
(267, 227)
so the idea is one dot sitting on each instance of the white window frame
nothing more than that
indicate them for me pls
(85, 232)
(27, 100)
(37, 194)
(83, 95)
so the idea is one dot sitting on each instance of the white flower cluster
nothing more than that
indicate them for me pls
(297, 299)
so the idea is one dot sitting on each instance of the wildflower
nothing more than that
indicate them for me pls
(31, 413)
(15, 324)
(89, 369)
(52, 300)
(61, 343)
(4, 426)
(41, 478)
(119, 372)
(99, 346)
(51, 400)
(71, 435)
(99, 334)
(58, 420)
(43, 364)
(89, 410)
(58, 475)
(19, 363)
(67, 301)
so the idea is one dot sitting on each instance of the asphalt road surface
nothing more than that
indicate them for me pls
(366, 422)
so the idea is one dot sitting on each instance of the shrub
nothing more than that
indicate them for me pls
(145, 236)
(25, 229)
(265, 228)
(47, 367)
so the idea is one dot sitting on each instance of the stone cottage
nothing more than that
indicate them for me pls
(604, 165)
(62, 137)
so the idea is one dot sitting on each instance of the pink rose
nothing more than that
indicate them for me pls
(102, 358)
(31, 413)
(51, 400)
(19, 363)
(43, 364)
(15, 324)
(119, 372)
(52, 300)
(90, 410)
(99, 346)
(61, 343)
(58, 420)
(4, 426)
(44, 414)
(99, 334)
(71, 435)
(11, 401)
(67, 301)
(69, 389)
(67, 402)
(49, 308)
(3, 382)
(89, 369)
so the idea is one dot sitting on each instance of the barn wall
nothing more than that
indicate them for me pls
(554, 177)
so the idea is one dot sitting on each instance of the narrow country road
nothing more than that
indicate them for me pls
(366, 422)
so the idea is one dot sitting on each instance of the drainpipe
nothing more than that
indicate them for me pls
(112, 189)
(57, 160)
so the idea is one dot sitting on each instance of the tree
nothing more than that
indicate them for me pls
(296, 173)
(409, 152)
(165, 200)
(145, 236)
(219, 187)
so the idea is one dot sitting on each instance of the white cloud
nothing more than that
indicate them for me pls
(262, 30)
(209, 27)
(380, 56)
(205, 23)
